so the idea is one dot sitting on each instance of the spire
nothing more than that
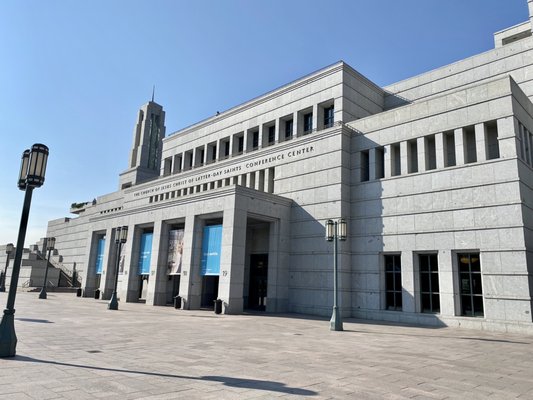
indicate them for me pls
(153, 93)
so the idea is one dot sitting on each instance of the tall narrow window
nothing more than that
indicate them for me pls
(493, 149)
(380, 163)
(393, 282)
(429, 283)
(240, 144)
(271, 134)
(308, 122)
(471, 289)
(449, 150)
(469, 144)
(395, 159)
(365, 166)
(431, 153)
(288, 129)
(328, 117)
(412, 156)
(255, 140)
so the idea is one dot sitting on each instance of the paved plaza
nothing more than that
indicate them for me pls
(74, 348)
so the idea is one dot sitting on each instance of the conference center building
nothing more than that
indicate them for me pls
(433, 176)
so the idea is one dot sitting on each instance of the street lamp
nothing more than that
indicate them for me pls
(31, 176)
(50, 244)
(335, 230)
(9, 250)
(121, 235)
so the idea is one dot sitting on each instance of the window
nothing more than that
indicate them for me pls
(493, 150)
(365, 166)
(255, 140)
(469, 144)
(308, 123)
(380, 162)
(271, 134)
(393, 282)
(449, 149)
(328, 117)
(431, 153)
(288, 129)
(412, 156)
(429, 283)
(395, 160)
(240, 144)
(471, 290)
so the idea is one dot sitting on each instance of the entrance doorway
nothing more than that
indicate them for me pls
(257, 295)
(209, 290)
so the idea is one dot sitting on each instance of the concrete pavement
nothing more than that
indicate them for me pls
(74, 348)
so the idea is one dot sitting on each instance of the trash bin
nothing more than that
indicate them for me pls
(78, 292)
(177, 301)
(218, 306)
(97, 294)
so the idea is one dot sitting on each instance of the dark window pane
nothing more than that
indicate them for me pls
(434, 266)
(474, 263)
(465, 284)
(424, 282)
(466, 306)
(390, 300)
(397, 281)
(478, 306)
(434, 282)
(476, 284)
(388, 263)
(389, 281)
(436, 302)
(424, 262)
(399, 300)
(426, 307)
(464, 262)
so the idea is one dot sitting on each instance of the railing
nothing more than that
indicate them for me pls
(27, 284)
(68, 273)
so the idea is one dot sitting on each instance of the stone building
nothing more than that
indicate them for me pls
(433, 175)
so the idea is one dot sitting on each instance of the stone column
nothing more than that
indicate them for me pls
(191, 280)
(260, 136)
(107, 280)
(404, 159)
(315, 117)
(387, 154)
(459, 146)
(295, 125)
(276, 131)
(408, 282)
(250, 180)
(129, 281)
(269, 180)
(448, 295)
(421, 156)
(481, 144)
(157, 282)
(231, 281)
(440, 150)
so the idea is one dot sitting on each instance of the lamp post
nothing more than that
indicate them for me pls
(335, 230)
(50, 244)
(31, 176)
(9, 250)
(121, 235)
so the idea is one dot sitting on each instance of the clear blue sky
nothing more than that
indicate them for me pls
(74, 73)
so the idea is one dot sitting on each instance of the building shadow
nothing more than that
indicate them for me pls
(271, 386)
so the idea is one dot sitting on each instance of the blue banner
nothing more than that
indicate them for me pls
(100, 256)
(211, 245)
(145, 253)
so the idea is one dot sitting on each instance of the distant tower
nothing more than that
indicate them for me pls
(145, 155)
